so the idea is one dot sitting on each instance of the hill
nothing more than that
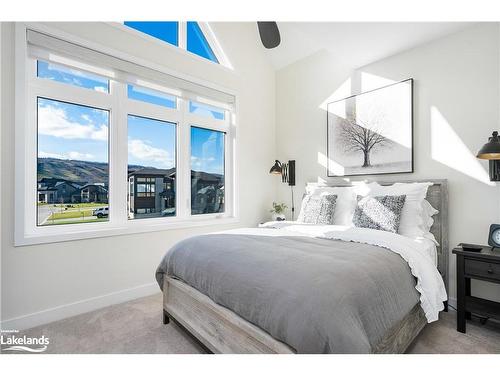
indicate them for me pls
(75, 170)
(86, 171)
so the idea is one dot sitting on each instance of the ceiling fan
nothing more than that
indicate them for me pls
(269, 34)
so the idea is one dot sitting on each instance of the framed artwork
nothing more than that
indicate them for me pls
(371, 133)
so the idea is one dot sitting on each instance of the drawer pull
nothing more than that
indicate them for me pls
(490, 271)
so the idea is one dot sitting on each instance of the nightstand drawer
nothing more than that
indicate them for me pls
(482, 269)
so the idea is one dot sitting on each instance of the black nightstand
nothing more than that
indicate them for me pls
(484, 265)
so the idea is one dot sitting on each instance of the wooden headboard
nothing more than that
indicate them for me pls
(437, 195)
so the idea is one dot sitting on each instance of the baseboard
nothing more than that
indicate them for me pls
(76, 308)
(452, 302)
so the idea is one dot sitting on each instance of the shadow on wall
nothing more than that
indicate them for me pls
(447, 147)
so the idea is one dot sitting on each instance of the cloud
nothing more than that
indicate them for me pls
(43, 154)
(100, 89)
(55, 122)
(72, 155)
(143, 151)
(75, 155)
(196, 162)
(206, 164)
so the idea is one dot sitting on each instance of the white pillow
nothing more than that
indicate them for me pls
(427, 213)
(412, 222)
(346, 199)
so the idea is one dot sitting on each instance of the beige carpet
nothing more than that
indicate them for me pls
(136, 327)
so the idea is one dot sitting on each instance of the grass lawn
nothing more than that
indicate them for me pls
(74, 205)
(70, 214)
(59, 222)
(78, 210)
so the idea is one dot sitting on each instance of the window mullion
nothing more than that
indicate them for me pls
(183, 35)
(118, 155)
(183, 165)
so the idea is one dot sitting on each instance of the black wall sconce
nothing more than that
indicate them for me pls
(287, 172)
(491, 151)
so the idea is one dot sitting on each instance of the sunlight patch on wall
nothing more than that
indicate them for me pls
(372, 81)
(332, 167)
(448, 149)
(343, 91)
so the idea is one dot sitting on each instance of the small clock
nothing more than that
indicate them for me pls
(494, 236)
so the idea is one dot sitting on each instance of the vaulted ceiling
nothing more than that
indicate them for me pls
(355, 43)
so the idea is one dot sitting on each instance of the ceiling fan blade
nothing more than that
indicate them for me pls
(269, 34)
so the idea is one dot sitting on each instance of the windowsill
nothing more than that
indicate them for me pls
(106, 230)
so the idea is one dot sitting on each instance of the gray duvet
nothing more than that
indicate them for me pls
(315, 295)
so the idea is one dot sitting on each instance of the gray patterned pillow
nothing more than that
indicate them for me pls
(382, 213)
(317, 209)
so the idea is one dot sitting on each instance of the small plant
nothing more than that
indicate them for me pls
(278, 208)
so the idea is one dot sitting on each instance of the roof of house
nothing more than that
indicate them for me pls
(46, 188)
(204, 176)
(96, 185)
(207, 176)
(151, 172)
(53, 182)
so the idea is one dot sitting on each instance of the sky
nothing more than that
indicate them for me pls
(76, 132)
(70, 131)
(74, 77)
(151, 143)
(207, 150)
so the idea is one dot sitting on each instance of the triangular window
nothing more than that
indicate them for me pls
(197, 43)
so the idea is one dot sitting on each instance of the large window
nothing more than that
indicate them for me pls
(106, 150)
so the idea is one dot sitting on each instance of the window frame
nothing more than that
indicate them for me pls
(28, 87)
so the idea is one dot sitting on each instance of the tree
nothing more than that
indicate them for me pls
(357, 136)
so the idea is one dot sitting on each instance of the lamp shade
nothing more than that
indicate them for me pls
(276, 168)
(490, 150)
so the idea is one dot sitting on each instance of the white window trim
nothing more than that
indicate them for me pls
(26, 230)
(182, 47)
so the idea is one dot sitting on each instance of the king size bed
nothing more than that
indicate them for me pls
(295, 287)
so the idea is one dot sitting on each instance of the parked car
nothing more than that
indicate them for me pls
(101, 212)
(168, 212)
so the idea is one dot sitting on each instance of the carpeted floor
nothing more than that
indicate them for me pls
(136, 327)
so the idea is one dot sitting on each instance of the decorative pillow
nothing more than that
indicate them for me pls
(381, 212)
(346, 199)
(412, 221)
(317, 209)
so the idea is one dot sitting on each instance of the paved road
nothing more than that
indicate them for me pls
(44, 213)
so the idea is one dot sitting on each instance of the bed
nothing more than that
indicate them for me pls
(281, 291)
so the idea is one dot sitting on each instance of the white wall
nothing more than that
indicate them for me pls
(456, 107)
(45, 282)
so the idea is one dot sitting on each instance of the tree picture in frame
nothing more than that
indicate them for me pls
(371, 133)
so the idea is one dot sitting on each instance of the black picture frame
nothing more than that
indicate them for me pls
(409, 81)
